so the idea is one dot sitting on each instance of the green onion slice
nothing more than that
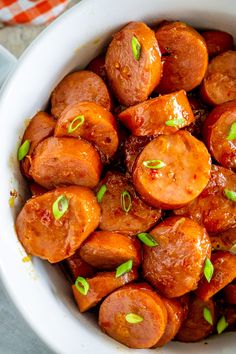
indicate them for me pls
(136, 48)
(208, 270)
(232, 132)
(124, 268)
(154, 164)
(126, 202)
(175, 122)
(101, 192)
(82, 285)
(147, 239)
(72, 126)
(207, 315)
(23, 150)
(133, 318)
(221, 325)
(60, 206)
(231, 195)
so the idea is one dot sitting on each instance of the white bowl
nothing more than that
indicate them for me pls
(37, 288)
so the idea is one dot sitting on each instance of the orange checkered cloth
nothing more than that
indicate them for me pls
(35, 12)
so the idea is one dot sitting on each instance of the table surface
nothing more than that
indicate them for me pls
(16, 337)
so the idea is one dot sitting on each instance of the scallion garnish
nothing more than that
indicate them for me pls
(60, 206)
(133, 318)
(232, 132)
(154, 164)
(101, 192)
(147, 239)
(207, 315)
(221, 325)
(231, 195)
(126, 202)
(82, 285)
(124, 268)
(136, 48)
(72, 126)
(23, 150)
(175, 122)
(208, 269)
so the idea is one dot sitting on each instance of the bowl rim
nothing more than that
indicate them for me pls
(3, 273)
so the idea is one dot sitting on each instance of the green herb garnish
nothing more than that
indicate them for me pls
(72, 126)
(154, 164)
(124, 268)
(133, 318)
(82, 285)
(60, 206)
(136, 48)
(147, 239)
(23, 150)
(126, 202)
(208, 269)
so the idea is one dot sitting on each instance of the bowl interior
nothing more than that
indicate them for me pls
(40, 290)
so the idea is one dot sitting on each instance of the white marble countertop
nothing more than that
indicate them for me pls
(16, 337)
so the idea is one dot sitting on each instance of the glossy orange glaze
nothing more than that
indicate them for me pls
(65, 161)
(219, 84)
(97, 65)
(211, 208)
(217, 42)
(133, 146)
(77, 87)
(175, 265)
(184, 176)
(195, 327)
(224, 273)
(100, 286)
(149, 117)
(142, 301)
(184, 56)
(229, 294)
(133, 80)
(107, 250)
(44, 236)
(41, 126)
(140, 217)
(216, 129)
(174, 320)
(224, 241)
(99, 126)
(75, 266)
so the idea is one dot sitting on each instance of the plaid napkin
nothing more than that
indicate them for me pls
(35, 12)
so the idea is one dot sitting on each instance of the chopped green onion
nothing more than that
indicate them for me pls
(154, 164)
(207, 315)
(231, 195)
(136, 48)
(124, 268)
(82, 285)
(72, 127)
(101, 192)
(60, 206)
(133, 318)
(208, 269)
(175, 122)
(232, 132)
(147, 239)
(126, 202)
(23, 150)
(221, 325)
